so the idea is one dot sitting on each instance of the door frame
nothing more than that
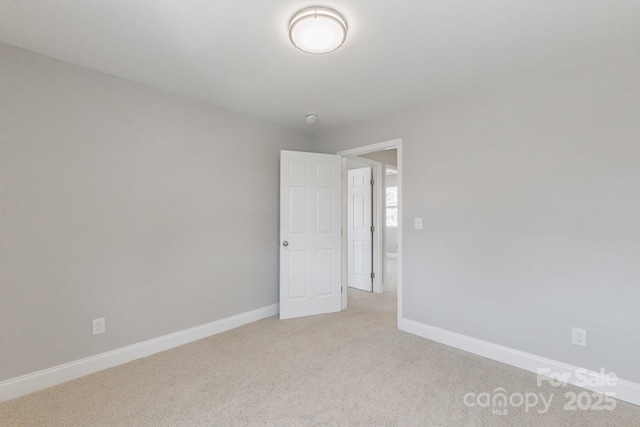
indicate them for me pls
(380, 146)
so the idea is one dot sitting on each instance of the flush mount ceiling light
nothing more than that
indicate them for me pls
(317, 29)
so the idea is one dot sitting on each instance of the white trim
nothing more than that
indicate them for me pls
(392, 255)
(344, 267)
(25, 384)
(378, 236)
(623, 390)
(400, 169)
(380, 146)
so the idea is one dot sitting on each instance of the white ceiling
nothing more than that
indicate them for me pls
(236, 53)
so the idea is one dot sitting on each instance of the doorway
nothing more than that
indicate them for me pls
(378, 154)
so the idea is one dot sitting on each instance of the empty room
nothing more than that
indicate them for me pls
(344, 213)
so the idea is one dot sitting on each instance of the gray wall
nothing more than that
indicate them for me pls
(119, 201)
(530, 196)
(386, 157)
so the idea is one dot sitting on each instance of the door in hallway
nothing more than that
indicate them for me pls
(359, 229)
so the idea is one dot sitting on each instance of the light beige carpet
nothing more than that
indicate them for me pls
(348, 369)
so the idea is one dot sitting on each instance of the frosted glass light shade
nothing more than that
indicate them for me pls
(317, 30)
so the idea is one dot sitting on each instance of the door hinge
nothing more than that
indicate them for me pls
(372, 182)
(373, 275)
(373, 229)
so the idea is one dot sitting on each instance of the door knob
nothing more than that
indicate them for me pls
(285, 243)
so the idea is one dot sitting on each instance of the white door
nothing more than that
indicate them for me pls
(359, 231)
(310, 233)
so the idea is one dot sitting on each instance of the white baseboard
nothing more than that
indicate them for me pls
(622, 389)
(25, 384)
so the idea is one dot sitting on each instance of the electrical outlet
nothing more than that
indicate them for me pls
(579, 337)
(99, 326)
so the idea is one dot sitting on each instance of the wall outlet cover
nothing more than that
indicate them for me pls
(579, 337)
(99, 326)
